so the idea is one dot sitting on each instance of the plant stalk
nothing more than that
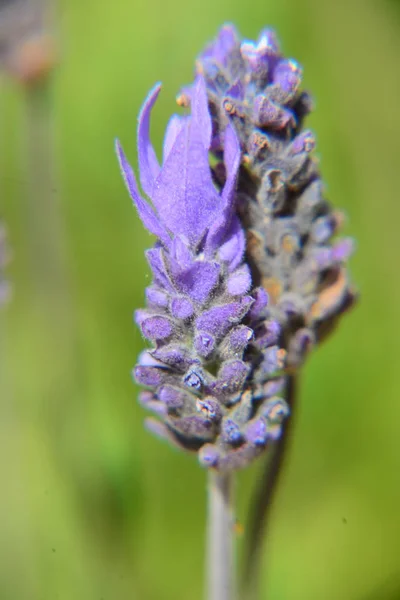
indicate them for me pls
(220, 551)
(260, 507)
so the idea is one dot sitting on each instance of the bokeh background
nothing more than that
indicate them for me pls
(91, 506)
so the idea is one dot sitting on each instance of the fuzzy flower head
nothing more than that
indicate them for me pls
(213, 369)
(290, 226)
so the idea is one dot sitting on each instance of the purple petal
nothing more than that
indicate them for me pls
(146, 396)
(182, 308)
(274, 359)
(220, 319)
(225, 42)
(305, 142)
(222, 225)
(172, 397)
(261, 56)
(239, 282)
(195, 426)
(257, 432)
(230, 431)
(148, 163)
(243, 410)
(343, 249)
(261, 300)
(231, 377)
(156, 328)
(267, 333)
(184, 193)
(287, 74)
(236, 91)
(156, 297)
(194, 379)
(156, 260)
(237, 340)
(200, 112)
(232, 250)
(256, 61)
(151, 376)
(300, 345)
(323, 258)
(267, 113)
(198, 281)
(268, 42)
(147, 215)
(204, 344)
(174, 356)
(232, 156)
(145, 359)
(181, 253)
(141, 314)
(154, 405)
(322, 229)
(174, 127)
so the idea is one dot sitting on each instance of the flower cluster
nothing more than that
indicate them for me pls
(247, 272)
(213, 372)
(290, 226)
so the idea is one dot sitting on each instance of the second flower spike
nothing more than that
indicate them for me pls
(290, 226)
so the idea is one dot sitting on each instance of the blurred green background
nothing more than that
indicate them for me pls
(92, 507)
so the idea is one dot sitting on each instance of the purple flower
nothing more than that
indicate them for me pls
(207, 372)
(290, 226)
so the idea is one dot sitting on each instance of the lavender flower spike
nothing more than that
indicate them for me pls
(290, 226)
(213, 369)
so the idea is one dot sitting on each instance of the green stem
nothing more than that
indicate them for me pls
(261, 504)
(45, 227)
(220, 554)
